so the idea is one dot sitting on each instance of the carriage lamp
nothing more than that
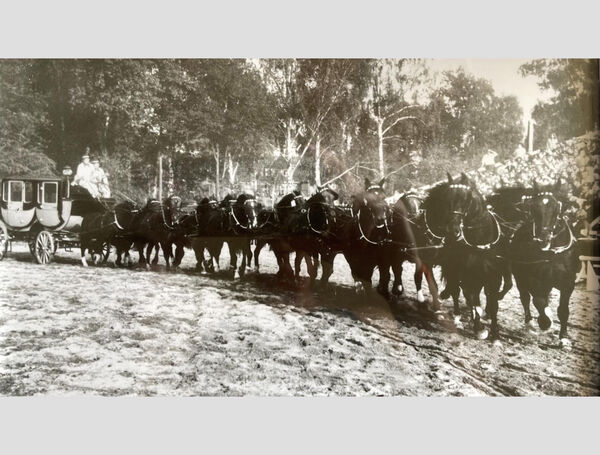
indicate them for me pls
(67, 172)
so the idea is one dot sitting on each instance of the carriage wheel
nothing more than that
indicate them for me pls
(105, 251)
(3, 240)
(44, 247)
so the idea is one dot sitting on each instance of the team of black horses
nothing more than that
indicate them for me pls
(480, 244)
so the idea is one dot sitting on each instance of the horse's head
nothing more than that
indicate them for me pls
(246, 210)
(227, 201)
(449, 204)
(172, 208)
(412, 204)
(320, 209)
(511, 202)
(206, 204)
(125, 213)
(372, 211)
(545, 209)
(293, 200)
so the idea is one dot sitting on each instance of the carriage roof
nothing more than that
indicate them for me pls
(33, 179)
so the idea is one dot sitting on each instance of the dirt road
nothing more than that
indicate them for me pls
(65, 329)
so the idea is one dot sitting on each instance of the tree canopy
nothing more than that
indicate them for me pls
(222, 122)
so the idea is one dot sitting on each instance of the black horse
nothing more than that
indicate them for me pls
(240, 227)
(366, 240)
(98, 229)
(156, 226)
(306, 228)
(210, 221)
(272, 234)
(511, 204)
(473, 243)
(544, 255)
(414, 242)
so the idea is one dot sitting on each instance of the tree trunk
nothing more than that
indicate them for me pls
(380, 147)
(160, 177)
(318, 160)
(171, 181)
(217, 183)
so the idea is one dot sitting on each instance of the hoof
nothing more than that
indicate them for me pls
(564, 343)
(236, 274)
(457, 320)
(359, 288)
(420, 296)
(530, 326)
(439, 315)
(544, 322)
(398, 290)
(256, 270)
(479, 311)
(497, 343)
(482, 334)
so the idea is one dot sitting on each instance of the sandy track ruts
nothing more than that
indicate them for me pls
(69, 330)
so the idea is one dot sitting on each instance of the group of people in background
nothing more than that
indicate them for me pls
(575, 162)
(92, 177)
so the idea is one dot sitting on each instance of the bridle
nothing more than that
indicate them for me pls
(116, 221)
(385, 224)
(462, 215)
(547, 247)
(162, 211)
(248, 202)
(211, 204)
(316, 231)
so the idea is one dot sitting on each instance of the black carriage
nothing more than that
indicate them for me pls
(45, 212)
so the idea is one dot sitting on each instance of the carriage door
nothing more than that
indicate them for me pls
(17, 197)
(47, 211)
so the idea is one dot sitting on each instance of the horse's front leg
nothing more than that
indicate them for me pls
(167, 253)
(397, 287)
(257, 249)
(139, 246)
(298, 263)
(432, 284)
(83, 248)
(311, 267)
(384, 280)
(563, 314)
(327, 265)
(179, 253)
(233, 260)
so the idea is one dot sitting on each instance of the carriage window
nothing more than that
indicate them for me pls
(28, 192)
(5, 191)
(50, 192)
(16, 191)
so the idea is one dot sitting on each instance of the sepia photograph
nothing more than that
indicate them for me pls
(299, 227)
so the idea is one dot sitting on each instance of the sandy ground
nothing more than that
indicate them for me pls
(69, 330)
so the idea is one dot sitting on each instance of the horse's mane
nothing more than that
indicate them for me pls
(286, 201)
(317, 197)
(226, 199)
(335, 195)
(243, 198)
(434, 194)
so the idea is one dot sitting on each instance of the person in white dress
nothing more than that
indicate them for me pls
(100, 178)
(84, 177)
